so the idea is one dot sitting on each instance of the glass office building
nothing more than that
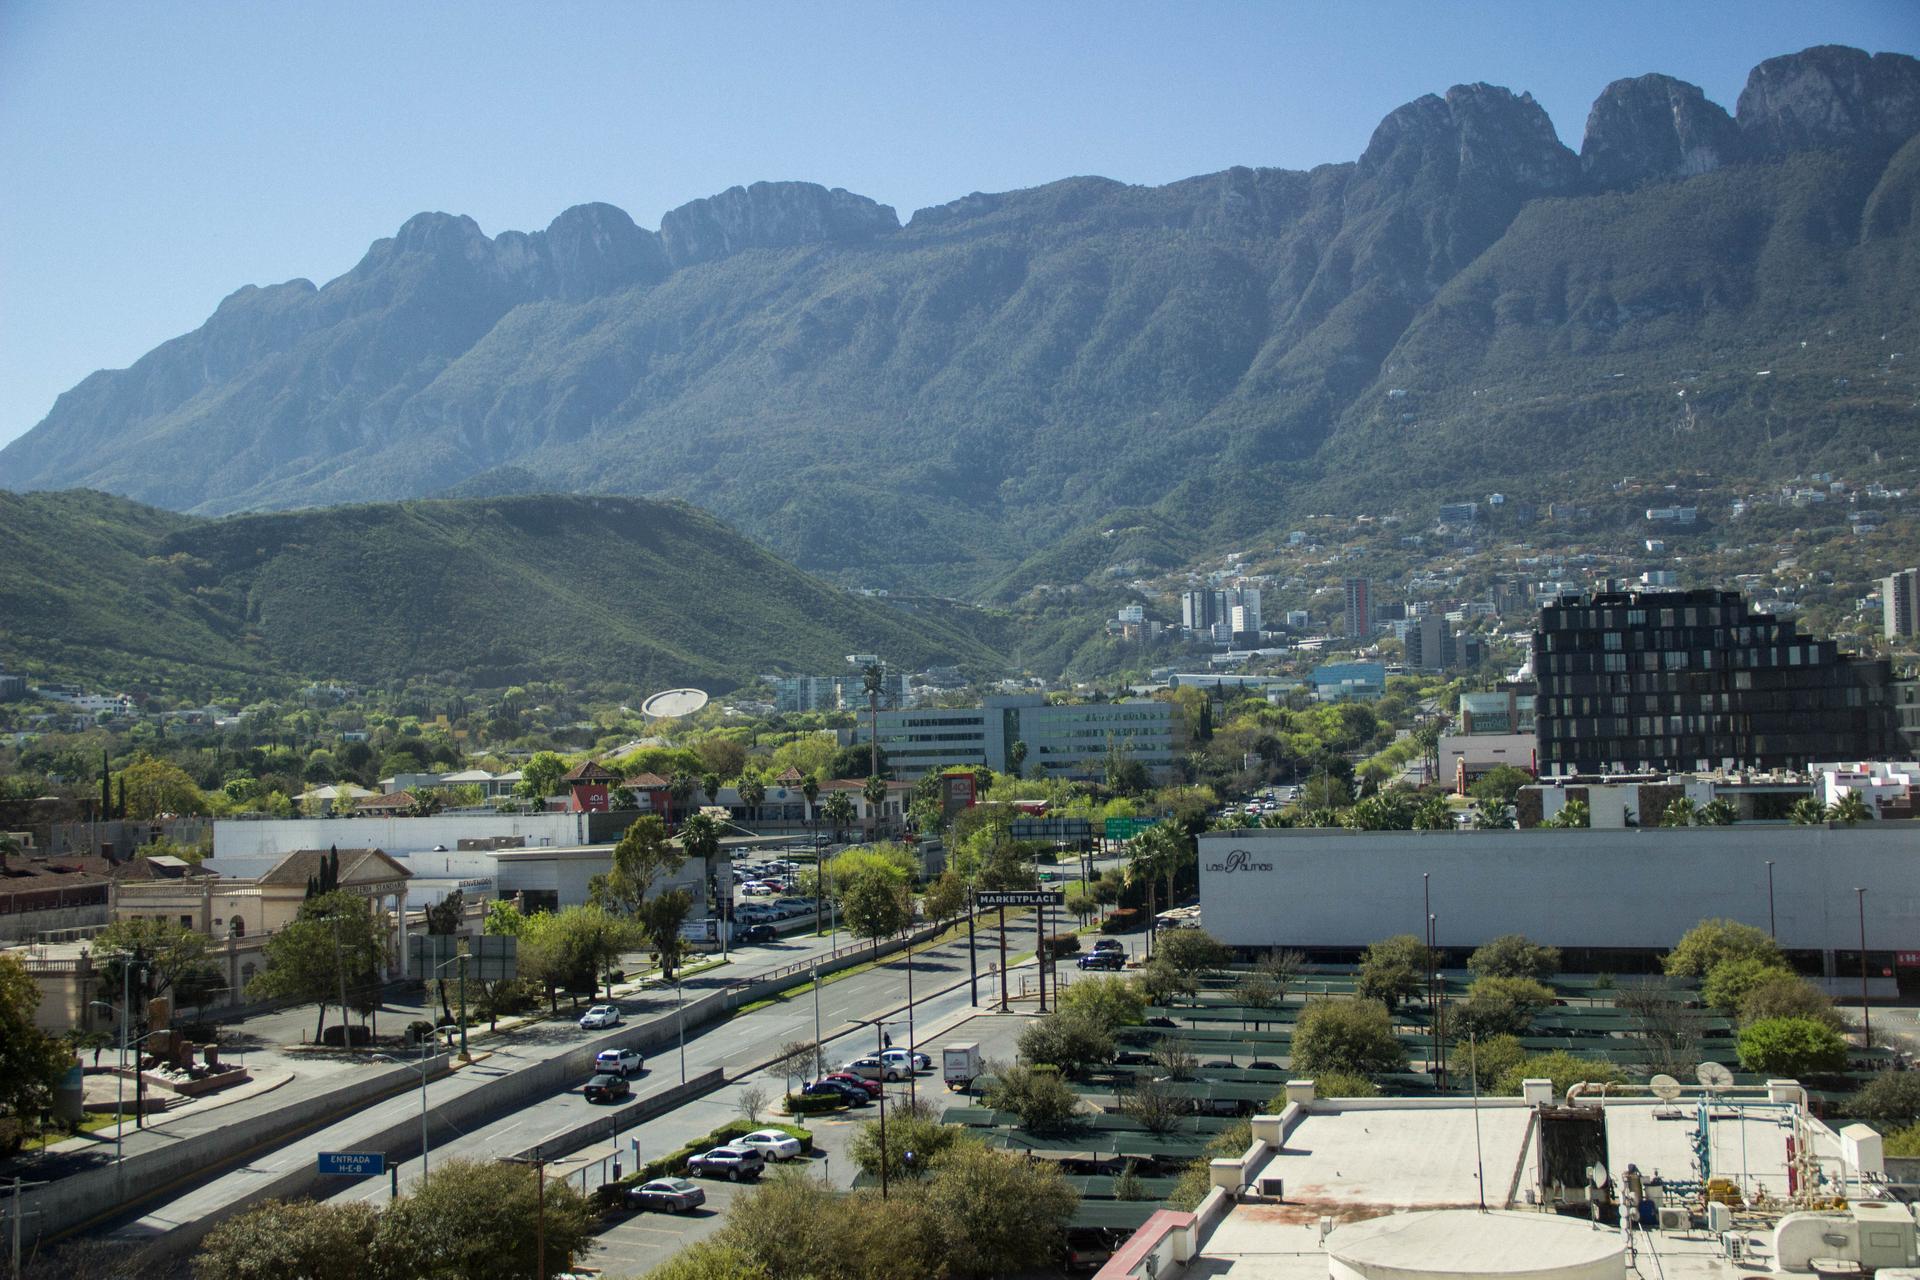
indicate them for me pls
(1066, 741)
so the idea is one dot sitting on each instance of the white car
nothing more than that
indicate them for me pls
(618, 1062)
(600, 1017)
(904, 1060)
(772, 1144)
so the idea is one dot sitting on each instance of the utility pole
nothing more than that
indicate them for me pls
(463, 1007)
(1866, 1018)
(885, 1157)
(1003, 959)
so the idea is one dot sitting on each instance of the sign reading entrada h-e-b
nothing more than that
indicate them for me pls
(353, 1164)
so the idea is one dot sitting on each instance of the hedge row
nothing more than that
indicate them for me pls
(813, 1104)
(614, 1194)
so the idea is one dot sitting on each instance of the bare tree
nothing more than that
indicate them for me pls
(1668, 1030)
(1157, 1108)
(752, 1101)
(800, 1058)
(1172, 1057)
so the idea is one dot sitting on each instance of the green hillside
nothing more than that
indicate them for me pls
(475, 592)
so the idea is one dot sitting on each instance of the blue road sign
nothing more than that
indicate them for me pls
(353, 1164)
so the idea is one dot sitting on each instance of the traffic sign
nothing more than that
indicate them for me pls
(1051, 829)
(353, 1164)
(1127, 828)
(1021, 898)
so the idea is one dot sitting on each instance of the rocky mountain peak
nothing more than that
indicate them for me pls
(1828, 96)
(596, 248)
(1656, 127)
(771, 215)
(1477, 130)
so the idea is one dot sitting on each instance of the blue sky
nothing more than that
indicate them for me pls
(157, 156)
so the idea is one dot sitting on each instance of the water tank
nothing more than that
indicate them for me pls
(1462, 1242)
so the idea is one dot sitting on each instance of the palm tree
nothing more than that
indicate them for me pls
(1426, 735)
(710, 783)
(1016, 756)
(1574, 814)
(874, 678)
(839, 811)
(1809, 812)
(753, 793)
(1433, 814)
(875, 790)
(1851, 808)
(679, 791)
(1680, 812)
(1494, 816)
(1719, 813)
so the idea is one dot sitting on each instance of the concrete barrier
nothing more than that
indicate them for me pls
(71, 1203)
(639, 1111)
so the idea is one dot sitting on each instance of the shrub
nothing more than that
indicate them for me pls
(1340, 1084)
(1037, 1095)
(1350, 1036)
(802, 1104)
(1122, 920)
(1513, 955)
(1561, 1067)
(1792, 1047)
(1729, 981)
(1072, 1042)
(1063, 944)
(1787, 995)
(1711, 942)
(1501, 1006)
(1490, 1059)
(1110, 1000)
(1903, 1142)
(1393, 969)
(1891, 1098)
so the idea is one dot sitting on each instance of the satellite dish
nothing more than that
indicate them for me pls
(1664, 1087)
(1597, 1173)
(1714, 1076)
(671, 704)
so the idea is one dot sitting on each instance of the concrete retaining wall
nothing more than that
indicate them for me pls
(69, 1203)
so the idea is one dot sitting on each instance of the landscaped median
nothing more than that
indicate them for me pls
(613, 1195)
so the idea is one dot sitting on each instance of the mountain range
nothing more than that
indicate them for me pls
(944, 404)
(472, 593)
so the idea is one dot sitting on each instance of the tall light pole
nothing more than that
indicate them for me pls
(434, 1039)
(1770, 929)
(680, 1015)
(913, 1069)
(1866, 1018)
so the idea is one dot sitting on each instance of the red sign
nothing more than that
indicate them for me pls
(1907, 959)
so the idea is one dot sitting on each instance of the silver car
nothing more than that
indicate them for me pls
(670, 1195)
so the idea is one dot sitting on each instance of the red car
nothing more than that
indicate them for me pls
(873, 1087)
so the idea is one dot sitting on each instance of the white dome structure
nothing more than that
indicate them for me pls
(1436, 1243)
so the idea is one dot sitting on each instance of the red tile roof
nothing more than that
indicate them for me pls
(590, 771)
(647, 782)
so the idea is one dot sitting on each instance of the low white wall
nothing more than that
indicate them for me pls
(241, 838)
(1631, 888)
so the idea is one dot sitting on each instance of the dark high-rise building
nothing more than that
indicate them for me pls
(1359, 607)
(1696, 680)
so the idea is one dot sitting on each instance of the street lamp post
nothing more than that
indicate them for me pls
(421, 1067)
(1770, 929)
(680, 1015)
(1866, 1018)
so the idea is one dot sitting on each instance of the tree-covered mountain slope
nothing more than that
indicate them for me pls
(481, 592)
(938, 405)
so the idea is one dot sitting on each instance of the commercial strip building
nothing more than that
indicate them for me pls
(1621, 896)
(1067, 741)
(1696, 680)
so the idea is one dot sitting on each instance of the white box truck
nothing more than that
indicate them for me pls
(960, 1065)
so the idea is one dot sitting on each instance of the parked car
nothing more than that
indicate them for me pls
(606, 1088)
(874, 1067)
(618, 1062)
(771, 1143)
(600, 1017)
(1111, 944)
(735, 1164)
(1109, 960)
(910, 1062)
(1161, 1022)
(1263, 1066)
(851, 1094)
(871, 1088)
(754, 933)
(671, 1195)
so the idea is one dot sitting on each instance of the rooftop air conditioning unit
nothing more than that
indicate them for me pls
(1273, 1188)
(1674, 1218)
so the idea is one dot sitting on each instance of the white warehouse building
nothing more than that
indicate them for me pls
(1632, 891)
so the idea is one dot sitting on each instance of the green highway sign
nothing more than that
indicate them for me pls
(1127, 828)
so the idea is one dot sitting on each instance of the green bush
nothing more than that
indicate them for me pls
(1123, 920)
(802, 1104)
(1891, 1098)
(1063, 944)
(1729, 981)
(1792, 1047)
(1563, 1068)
